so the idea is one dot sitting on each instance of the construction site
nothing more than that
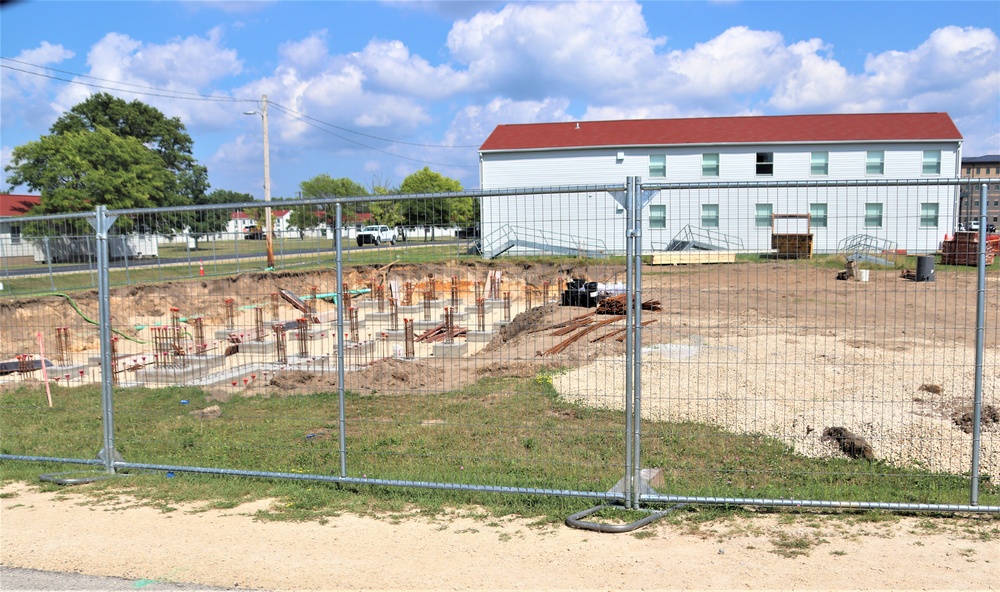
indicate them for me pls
(777, 347)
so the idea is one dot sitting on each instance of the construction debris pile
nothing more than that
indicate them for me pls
(964, 249)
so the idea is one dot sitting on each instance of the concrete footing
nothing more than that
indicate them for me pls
(479, 336)
(451, 350)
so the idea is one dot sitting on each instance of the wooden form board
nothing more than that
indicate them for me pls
(693, 257)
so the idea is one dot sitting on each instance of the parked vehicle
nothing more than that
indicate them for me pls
(467, 232)
(376, 235)
(255, 233)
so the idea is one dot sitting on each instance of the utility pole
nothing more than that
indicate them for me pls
(267, 186)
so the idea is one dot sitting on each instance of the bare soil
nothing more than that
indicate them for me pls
(65, 531)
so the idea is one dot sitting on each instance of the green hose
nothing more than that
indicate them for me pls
(93, 322)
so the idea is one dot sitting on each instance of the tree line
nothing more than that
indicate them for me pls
(129, 155)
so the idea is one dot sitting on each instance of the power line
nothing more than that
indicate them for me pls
(344, 129)
(190, 96)
(311, 124)
(174, 94)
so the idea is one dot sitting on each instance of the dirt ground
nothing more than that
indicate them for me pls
(65, 531)
(777, 348)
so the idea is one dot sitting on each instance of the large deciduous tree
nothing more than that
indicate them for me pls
(106, 151)
(434, 211)
(326, 187)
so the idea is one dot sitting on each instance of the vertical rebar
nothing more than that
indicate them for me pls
(258, 323)
(274, 306)
(427, 306)
(528, 304)
(280, 343)
(545, 292)
(393, 315)
(506, 306)
(430, 286)
(380, 298)
(200, 345)
(478, 290)
(346, 293)
(449, 323)
(454, 291)
(480, 314)
(408, 294)
(230, 314)
(303, 335)
(355, 325)
(62, 344)
(408, 339)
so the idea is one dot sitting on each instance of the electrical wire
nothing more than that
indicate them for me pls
(184, 95)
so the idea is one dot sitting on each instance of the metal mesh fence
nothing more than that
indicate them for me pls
(379, 341)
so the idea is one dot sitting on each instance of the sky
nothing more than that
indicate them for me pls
(374, 91)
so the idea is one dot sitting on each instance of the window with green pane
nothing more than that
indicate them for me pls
(929, 215)
(818, 215)
(657, 165)
(819, 163)
(762, 215)
(658, 216)
(873, 215)
(875, 162)
(932, 162)
(710, 215)
(710, 165)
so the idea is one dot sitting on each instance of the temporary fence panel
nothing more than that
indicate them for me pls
(836, 379)
(524, 341)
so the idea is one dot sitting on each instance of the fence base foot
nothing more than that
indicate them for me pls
(575, 521)
(81, 478)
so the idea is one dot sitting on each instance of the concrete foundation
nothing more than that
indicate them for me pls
(410, 312)
(451, 350)
(479, 336)
(421, 326)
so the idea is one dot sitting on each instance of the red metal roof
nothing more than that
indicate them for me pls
(17, 205)
(866, 127)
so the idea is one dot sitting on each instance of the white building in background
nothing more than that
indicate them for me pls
(881, 146)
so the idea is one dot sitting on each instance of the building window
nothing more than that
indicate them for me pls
(762, 216)
(765, 163)
(657, 165)
(710, 165)
(710, 215)
(932, 162)
(819, 163)
(875, 162)
(818, 215)
(873, 215)
(928, 215)
(15, 234)
(658, 216)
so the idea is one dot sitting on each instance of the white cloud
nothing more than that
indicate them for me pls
(24, 96)
(389, 67)
(183, 66)
(474, 123)
(530, 51)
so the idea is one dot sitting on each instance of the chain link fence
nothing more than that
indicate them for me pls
(792, 344)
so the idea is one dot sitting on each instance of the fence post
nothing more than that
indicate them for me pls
(102, 224)
(338, 247)
(977, 404)
(629, 341)
(637, 336)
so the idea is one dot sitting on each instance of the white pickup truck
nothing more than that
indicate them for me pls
(376, 235)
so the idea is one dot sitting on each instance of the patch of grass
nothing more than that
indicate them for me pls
(509, 432)
(791, 546)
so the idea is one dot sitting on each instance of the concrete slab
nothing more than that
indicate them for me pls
(479, 336)
(451, 350)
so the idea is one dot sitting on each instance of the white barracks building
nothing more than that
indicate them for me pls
(729, 150)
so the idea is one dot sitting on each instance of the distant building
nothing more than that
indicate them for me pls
(730, 149)
(11, 207)
(980, 167)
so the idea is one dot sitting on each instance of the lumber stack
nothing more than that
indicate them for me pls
(964, 249)
(617, 305)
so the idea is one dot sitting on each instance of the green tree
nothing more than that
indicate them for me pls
(434, 211)
(200, 223)
(326, 187)
(164, 136)
(76, 171)
(105, 151)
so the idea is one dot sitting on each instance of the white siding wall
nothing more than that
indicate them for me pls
(845, 206)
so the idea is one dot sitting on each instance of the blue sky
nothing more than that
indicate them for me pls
(376, 90)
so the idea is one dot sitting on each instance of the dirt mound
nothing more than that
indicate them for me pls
(987, 417)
